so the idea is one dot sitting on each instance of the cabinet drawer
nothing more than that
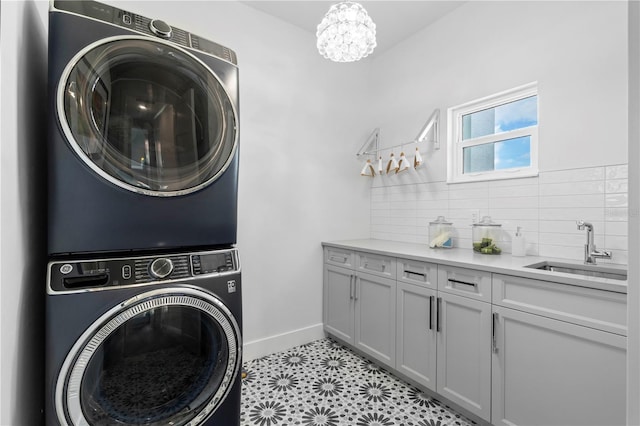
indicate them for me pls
(383, 266)
(414, 272)
(600, 309)
(465, 282)
(339, 257)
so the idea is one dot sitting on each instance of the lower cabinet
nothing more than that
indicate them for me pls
(416, 334)
(444, 343)
(551, 372)
(375, 317)
(464, 353)
(338, 303)
(511, 350)
(360, 309)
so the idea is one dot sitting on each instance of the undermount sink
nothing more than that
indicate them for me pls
(585, 270)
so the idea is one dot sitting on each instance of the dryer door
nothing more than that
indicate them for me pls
(147, 116)
(166, 357)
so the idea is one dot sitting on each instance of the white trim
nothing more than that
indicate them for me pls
(455, 144)
(279, 342)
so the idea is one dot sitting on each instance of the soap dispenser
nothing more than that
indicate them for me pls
(518, 246)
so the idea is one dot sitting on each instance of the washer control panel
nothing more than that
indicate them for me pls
(82, 275)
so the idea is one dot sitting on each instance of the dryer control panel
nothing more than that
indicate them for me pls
(87, 275)
(144, 25)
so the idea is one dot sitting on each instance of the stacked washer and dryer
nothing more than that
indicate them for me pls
(143, 292)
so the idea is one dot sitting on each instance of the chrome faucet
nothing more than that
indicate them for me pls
(590, 251)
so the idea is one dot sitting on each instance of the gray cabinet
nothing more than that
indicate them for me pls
(511, 350)
(338, 302)
(444, 332)
(359, 307)
(551, 372)
(561, 346)
(464, 339)
(416, 333)
(375, 317)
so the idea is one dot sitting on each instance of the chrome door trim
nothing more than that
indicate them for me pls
(62, 83)
(67, 394)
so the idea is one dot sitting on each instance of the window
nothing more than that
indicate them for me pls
(495, 137)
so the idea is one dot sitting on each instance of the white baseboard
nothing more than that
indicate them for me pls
(280, 342)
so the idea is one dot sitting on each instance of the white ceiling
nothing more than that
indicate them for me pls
(395, 20)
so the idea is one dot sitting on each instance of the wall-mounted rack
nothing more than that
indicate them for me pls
(372, 144)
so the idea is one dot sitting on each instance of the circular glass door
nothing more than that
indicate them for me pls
(169, 358)
(147, 115)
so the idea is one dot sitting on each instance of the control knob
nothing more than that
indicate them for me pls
(160, 28)
(161, 267)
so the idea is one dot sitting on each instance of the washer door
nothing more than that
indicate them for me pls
(166, 357)
(147, 116)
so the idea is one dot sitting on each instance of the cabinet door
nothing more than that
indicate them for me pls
(464, 353)
(416, 334)
(550, 372)
(376, 317)
(338, 303)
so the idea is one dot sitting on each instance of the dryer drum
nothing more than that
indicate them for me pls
(167, 356)
(147, 116)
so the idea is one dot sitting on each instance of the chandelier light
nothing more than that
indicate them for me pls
(346, 33)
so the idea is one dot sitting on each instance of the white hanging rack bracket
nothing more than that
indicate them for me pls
(432, 123)
(372, 145)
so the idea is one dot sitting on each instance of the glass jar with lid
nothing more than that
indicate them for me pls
(440, 233)
(486, 235)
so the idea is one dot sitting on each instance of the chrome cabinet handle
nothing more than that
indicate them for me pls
(356, 281)
(351, 287)
(493, 332)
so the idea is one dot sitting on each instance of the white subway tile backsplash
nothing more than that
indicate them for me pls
(617, 200)
(513, 214)
(589, 214)
(573, 175)
(546, 207)
(616, 242)
(515, 201)
(569, 226)
(584, 200)
(574, 188)
(617, 214)
(466, 203)
(616, 228)
(617, 186)
(513, 191)
(617, 172)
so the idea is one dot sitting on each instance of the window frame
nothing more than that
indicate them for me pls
(456, 145)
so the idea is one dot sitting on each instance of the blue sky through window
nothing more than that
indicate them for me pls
(503, 118)
(500, 155)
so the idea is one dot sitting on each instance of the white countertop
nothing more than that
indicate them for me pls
(466, 258)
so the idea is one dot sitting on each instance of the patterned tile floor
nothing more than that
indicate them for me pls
(325, 384)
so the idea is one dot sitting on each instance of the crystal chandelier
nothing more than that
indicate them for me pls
(346, 33)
